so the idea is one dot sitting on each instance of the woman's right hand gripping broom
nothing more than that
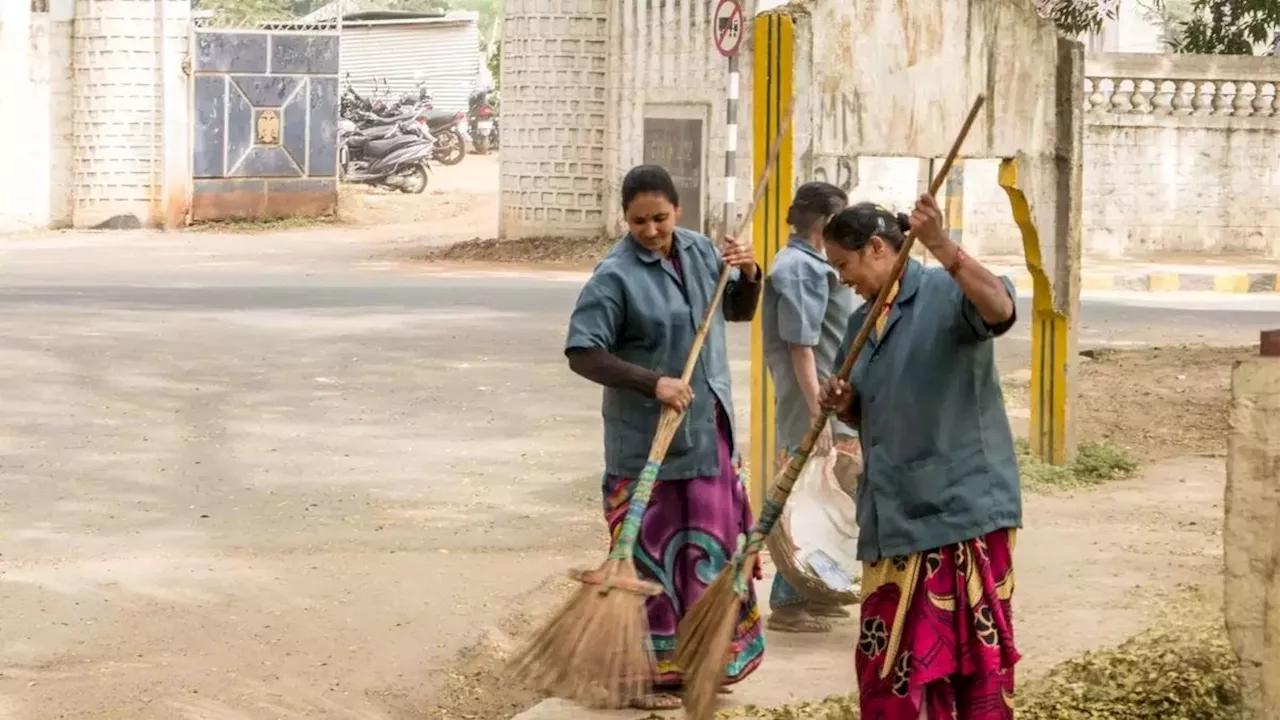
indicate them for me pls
(835, 396)
(675, 393)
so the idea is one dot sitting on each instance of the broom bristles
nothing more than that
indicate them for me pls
(704, 645)
(595, 650)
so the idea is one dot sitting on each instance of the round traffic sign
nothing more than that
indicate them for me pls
(726, 27)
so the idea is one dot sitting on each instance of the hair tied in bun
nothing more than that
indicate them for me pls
(904, 222)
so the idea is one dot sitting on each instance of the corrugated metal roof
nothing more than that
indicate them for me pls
(446, 56)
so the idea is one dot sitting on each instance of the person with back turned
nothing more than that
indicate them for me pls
(806, 308)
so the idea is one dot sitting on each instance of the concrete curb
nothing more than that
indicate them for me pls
(1234, 282)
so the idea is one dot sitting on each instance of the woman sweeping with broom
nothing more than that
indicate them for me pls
(631, 331)
(939, 501)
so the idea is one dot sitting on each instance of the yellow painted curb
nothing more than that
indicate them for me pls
(1162, 282)
(1231, 283)
(1102, 281)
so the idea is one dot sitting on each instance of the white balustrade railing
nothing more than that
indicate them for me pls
(1181, 85)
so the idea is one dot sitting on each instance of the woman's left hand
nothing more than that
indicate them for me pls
(926, 223)
(740, 256)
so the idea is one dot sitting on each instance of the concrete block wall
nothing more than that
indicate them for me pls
(1179, 157)
(579, 78)
(119, 105)
(555, 57)
(1182, 188)
(670, 68)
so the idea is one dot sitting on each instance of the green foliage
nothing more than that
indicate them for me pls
(255, 11)
(495, 63)
(1095, 464)
(1075, 17)
(246, 12)
(1227, 27)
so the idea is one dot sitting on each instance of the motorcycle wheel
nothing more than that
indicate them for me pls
(482, 145)
(415, 180)
(453, 150)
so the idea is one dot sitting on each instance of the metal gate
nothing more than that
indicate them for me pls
(265, 110)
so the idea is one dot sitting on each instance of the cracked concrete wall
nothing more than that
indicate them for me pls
(1251, 534)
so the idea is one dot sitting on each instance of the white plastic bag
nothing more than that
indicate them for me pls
(822, 519)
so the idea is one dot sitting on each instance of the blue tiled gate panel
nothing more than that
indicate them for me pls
(238, 76)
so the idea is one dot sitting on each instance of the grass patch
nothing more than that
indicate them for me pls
(1095, 463)
(1181, 669)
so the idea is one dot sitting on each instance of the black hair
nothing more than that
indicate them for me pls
(853, 227)
(643, 179)
(813, 203)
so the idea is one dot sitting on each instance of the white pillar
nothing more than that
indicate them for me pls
(16, 191)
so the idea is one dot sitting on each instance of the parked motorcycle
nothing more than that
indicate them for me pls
(450, 131)
(483, 117)
(397, 158)
(447, 129)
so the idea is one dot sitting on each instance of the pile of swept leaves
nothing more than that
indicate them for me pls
(1182, 669)
(1095, 463)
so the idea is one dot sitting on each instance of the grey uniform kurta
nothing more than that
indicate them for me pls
(805, 303)
(939, 464)
(635, 306)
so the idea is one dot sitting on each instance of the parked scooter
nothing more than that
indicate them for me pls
(483, 117)
(450, 131)
(397, 159)
(447, 129)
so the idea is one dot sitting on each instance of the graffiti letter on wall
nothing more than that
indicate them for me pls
(839, 170)
(837, 131)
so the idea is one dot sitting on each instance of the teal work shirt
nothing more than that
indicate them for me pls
(805, 304)
(635, 307)
(939, 463)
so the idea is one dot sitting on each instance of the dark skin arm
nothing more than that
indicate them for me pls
(604, 368)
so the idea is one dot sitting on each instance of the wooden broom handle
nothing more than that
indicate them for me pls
(782, 487)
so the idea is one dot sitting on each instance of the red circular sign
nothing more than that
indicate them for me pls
(726, 27)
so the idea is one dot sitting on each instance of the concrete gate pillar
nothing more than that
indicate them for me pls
(1251, 534)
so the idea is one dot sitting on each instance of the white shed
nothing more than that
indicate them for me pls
(444, 50)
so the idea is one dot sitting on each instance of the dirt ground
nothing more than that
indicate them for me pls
(1095, 561)
(1178, 408)
(258, 477)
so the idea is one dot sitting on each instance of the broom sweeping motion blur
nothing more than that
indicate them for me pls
(596, 649)
(704, 636)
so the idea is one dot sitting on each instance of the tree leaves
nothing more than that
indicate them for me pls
(1228, 27)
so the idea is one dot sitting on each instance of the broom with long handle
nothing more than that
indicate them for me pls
(596, 649)
(704, 637)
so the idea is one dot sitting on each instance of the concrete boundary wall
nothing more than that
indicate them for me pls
(1179, 156)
